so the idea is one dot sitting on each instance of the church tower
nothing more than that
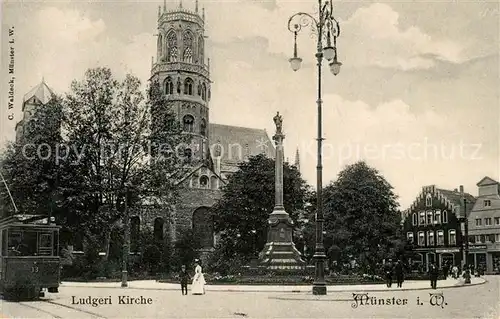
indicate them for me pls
(183, 75)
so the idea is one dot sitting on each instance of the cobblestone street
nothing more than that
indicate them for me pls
(478, 301)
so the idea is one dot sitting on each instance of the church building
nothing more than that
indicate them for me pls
(183, 71)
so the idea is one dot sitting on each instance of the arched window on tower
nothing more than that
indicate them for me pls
(203, 127)
(158, 229)
(172, 50)
(200, 50)
(188, 47)
(188, 86)
(204, 92)
(160, 46)
(218, 149)
(199, 89)
(188, 123)
(203, 228)
(169, 86)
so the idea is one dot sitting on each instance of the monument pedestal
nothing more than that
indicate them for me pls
(279, 254)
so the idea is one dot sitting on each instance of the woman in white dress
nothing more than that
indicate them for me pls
(198, 286)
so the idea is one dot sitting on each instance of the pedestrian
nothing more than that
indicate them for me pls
(454, 271)
(446, 270)
(198, 286)
(399, 271)
(184, 277)
(388, 269)
(467, 274)
(433, 275)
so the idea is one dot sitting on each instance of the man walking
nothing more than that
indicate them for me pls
(184, 277)
(433, 275)
(388, 269)
(399, 272)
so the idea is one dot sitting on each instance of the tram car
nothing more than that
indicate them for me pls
(29, 261)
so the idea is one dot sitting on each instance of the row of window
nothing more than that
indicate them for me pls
(169, 49)
(487, 221)
(188, 125)
(188, 88)
(205, 182)
(494, 238)
(430, 217)
(431, 240)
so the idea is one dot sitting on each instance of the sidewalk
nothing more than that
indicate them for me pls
(154, 285)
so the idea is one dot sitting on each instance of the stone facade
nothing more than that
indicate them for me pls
(183, 71)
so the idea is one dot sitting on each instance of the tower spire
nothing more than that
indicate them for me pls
(196, 6)
(297, 159)
(164, 5)
(203, 13)
(180, 4)
(159, 12)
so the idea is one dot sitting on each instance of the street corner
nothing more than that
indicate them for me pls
(474, 282)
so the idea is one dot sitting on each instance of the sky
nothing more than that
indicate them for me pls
(417, 96)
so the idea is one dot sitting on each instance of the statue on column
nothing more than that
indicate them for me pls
(278, 120)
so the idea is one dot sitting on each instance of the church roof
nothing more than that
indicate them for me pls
(235, 142)
(42, 92)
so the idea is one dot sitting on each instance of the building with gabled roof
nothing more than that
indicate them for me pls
(484, 227)
(38, 96)
(433, 223)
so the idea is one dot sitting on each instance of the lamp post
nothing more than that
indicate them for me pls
(466, 230)
(325, 27)
(254, 241)
(126, 240)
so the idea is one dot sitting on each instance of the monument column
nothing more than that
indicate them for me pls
(278, 138)
(279, 253)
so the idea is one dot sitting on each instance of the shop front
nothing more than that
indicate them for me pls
(478, 256)
(495, 265)
(450, 256)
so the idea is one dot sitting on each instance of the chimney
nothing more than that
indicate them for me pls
(462, 190)
(455, 190)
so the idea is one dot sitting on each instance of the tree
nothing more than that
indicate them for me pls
(248, 199)
(31, 167)
(108, 125)
(361, 217)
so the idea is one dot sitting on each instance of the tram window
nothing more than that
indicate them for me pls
(30, 241)
(45, 246)
(22, 243)
(45, 241)
(14, 242)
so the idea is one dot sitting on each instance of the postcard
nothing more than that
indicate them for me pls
(249, 159)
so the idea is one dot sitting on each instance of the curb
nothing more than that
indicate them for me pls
(281, 291)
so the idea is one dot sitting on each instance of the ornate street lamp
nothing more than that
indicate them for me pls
(326, 28)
